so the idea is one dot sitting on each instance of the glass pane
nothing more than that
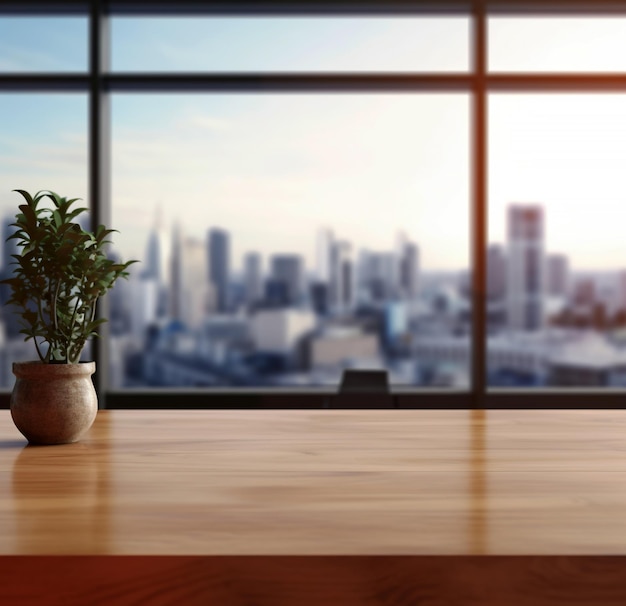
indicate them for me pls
(43, 145)
(43, 44)
(284, 238)
(557, 44)
(325, 44)
(556, 257)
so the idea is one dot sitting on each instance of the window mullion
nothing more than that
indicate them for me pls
(479, 206)
(99, 145)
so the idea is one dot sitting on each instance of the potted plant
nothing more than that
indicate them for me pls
(58, 277)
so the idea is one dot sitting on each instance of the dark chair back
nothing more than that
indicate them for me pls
(363, 389)
(364, 381)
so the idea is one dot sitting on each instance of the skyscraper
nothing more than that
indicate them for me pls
(176, 283)
(342, 284)
(324, 245)
(189, 291)
(409, 267)
(195, 285)
(287, 270)
(496, 272)
(376, 272)
(143, 311)
(219, 267)
(158, 263)
(557, 268)
(525, 267)
(253, 278)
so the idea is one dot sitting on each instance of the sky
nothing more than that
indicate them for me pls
(273, 168)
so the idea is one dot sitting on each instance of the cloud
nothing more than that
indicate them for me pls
(203, 122)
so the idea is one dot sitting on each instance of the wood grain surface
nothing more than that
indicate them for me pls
(321, 483)
(352, 502)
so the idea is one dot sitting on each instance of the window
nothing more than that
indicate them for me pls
(559, 156)
(557, 43)
(43, 145)
(39, 44)
(285, 179)
(390, 180)
(290, 44)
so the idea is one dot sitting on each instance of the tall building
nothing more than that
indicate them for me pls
(287, 273)
(253, 278)
(195, 283)
(189, 291)
(158, 263)
(405, 267)
(409, 268)
(496, 272)
(375, 275)
(342, 284)
(318, 294)
(324, 245)
(177, 295)
(219, 267)
(557, 270)
(525, 267)
(143, 312)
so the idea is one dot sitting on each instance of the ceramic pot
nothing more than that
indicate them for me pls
(53, 403)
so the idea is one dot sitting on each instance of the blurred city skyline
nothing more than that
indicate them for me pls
(291, 162)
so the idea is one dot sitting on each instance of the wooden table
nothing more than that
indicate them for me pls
(319, 507)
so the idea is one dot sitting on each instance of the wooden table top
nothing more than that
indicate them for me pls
(330, 482)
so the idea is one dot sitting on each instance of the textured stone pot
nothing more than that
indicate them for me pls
(53, 403)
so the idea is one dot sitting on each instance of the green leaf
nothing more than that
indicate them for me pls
(59, 274)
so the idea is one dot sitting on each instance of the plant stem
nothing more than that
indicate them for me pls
(73, 321)
(38, 350)
(54, 305)
(41, 319)
(93, 311)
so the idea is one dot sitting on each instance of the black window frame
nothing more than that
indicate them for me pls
(98, 83)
